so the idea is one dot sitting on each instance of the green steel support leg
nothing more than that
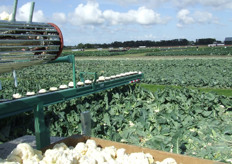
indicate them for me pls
(42, 133)
(74, 71)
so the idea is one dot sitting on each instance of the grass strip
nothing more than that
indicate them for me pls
(154, 88)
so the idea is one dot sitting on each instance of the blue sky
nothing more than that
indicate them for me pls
(106, 21)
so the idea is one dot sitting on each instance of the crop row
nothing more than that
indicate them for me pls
(197, 73)
(189, 51)
(107, 53)
(215, 51)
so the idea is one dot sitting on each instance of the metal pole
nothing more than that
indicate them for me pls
(86, 123)
(31, 12)
(14, 11)
(74, 71)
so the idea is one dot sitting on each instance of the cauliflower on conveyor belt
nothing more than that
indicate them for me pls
(82, 153)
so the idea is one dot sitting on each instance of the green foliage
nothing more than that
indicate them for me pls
(154, 88)
(182, 120)
(91, 53)
(214, 51)
(107, 53)
(171, 51)
(16, 126)
(179, 120)
(197, 73)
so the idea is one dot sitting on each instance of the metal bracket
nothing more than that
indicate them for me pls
(15, 78)
(86, 123)
(68, 59)
(91, 73)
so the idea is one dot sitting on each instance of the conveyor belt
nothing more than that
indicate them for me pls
(12, 107)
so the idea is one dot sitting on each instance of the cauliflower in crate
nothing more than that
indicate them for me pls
(82, 153)
(24, 153)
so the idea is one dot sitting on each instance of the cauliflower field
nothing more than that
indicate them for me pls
(165, 51)
(214, 73)
(182, 121)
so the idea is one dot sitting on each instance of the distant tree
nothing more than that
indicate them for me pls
(129, 44)
(88, 45)
(104, 45)
(205, 41)
(117, 44)
(183, 42)
(80, 46)
(147, 43)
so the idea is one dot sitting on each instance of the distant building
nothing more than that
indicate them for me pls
(77, 49)
(142, 46)
(216, 44)
(228, 40)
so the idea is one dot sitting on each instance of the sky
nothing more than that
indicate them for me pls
(106, 21)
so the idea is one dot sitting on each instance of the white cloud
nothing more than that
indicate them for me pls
(7, 9)
(142, 16)
(184, 17)
(90, 14)
(86, 14)
(201, 17)
(24, 12)
(219, 4)
(115, 18)
(185, 3)
(147, 3)
(5, 16)
(59, 18)
(179, 25)
(147, 16)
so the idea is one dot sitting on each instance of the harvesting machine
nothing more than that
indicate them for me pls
(24, 44)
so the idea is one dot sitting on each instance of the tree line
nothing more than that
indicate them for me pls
(148, 43)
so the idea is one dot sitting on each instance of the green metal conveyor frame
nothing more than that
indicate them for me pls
(38, 102)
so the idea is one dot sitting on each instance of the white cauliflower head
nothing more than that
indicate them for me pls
(24, 151)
